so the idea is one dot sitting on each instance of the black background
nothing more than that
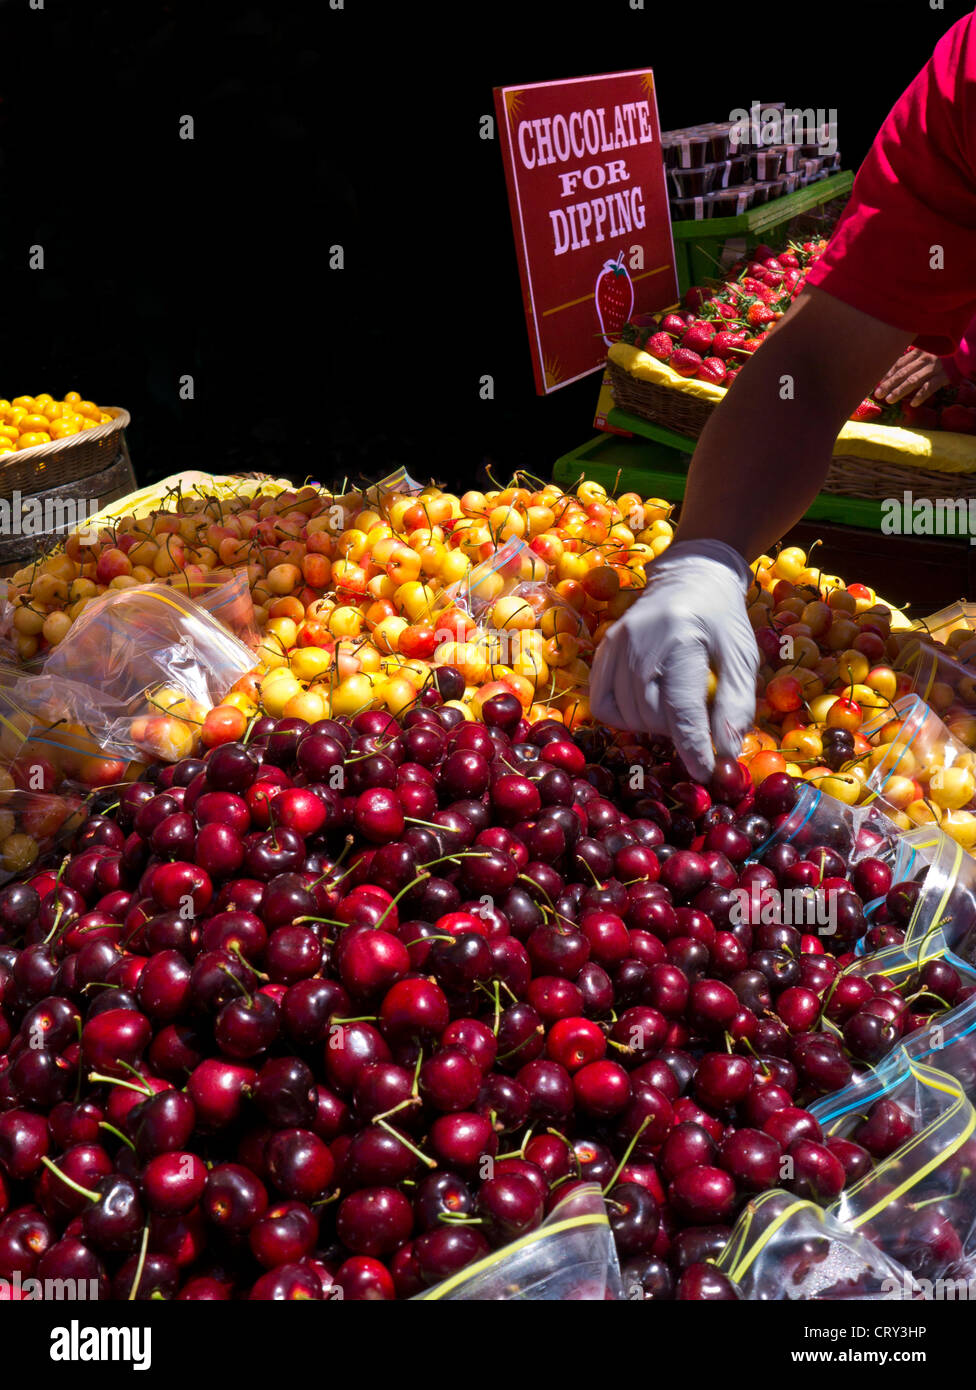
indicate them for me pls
(166, 257)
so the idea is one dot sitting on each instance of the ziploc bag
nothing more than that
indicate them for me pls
(958, 616)
(490, 579)
(945, 680)
(923, 750)
(231, 604)
(918, 1204)
(946, 905)
(856, 832)
(784, 1248)
(31, 824)
(571, 1256)
(138, 670)
(397, 481)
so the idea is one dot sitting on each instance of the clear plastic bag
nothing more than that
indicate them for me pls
(231, 604)
(570, 1257)
(138, 672)
(918, 1204)
(491, 579)
(960, 615)
(7, 650)
(946, 906)
(915, 752)
(783, 1248)
(945, 679)
(32, 824)
(855, 832)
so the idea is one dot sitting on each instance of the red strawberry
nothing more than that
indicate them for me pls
(774, 278)
(791, 279)
(762, 252)
(673, 323)
(756, 269)
(725, 343)
(697, 296)
(698, 337)
(773, 264)
(867, 410)
(750, 344)
(751, 285)
(789, 259)
(961, 419)
(685, 362)
(920, 417)
(713, 370)
(730, 375)
(966, 393)
(614, 298)
(758, 315)
(659, 345)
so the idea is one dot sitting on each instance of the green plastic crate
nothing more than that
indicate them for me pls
(698, 245)
(655, 464)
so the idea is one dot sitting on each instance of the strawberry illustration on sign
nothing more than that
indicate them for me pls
(614, 298)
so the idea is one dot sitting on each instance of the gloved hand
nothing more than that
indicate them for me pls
(651, 670)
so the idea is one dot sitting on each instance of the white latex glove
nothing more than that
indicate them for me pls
(651, 670)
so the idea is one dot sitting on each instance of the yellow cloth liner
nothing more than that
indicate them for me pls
(942, 451)
(164, 494)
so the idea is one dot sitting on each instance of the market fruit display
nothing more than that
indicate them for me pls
(346, 992)
(338, 1011)
(27, 421)
(371, 601)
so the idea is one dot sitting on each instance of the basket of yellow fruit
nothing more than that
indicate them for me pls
(63, 460)
(46, 443)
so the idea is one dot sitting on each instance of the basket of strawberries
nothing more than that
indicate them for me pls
(674, 369)
(702, 345)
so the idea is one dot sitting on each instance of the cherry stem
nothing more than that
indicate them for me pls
(468, 854)
(327, 1201)
(418, 1153)
(117, 1081)
(235, 950)
(421, 878)
(140, 1265)
(70, 1182)
(104, 1124)
(240, 984)
(395, 1109)
(627, 1152)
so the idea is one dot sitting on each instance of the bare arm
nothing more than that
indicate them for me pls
(764, 454)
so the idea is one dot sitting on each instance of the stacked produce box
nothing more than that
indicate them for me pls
(724, 168)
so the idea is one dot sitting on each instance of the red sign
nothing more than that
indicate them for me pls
(590, 210)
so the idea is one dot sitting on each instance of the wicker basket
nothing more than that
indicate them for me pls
(874, 480)
(98, 489)
(848, 476)
(676, 410)
(64, 460)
